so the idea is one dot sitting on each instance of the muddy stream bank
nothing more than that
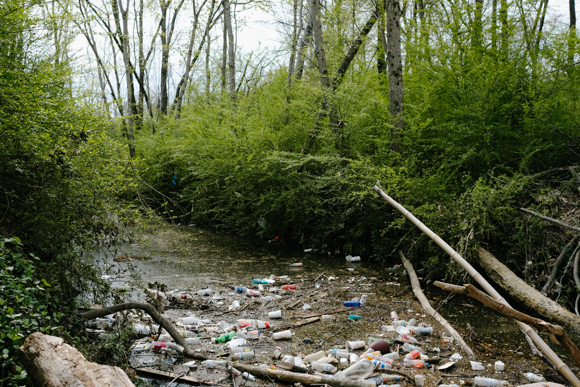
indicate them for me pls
(188, 259)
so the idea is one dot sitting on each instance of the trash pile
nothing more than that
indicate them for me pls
(264, 323)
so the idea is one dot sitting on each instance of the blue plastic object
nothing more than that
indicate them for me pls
(352, 304)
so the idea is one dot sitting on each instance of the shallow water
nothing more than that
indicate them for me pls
(190, 259)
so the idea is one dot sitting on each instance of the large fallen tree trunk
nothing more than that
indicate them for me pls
(429, 309)
(52, 363)
(551, 355)
(541, 325)
(526, 294)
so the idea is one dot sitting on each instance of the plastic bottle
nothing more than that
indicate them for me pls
(193, 327)
(355, 344)
(413, 355)
(314, 356)
(378, 380)
(363, 299)
(415, 363)
(292, 287)
(215, 364)
(427, 331)
(353, 358)
(535, 378)
(261, 288)
(141, 329)
(419, 380)
(352, 304)
(266, 298)
(392, 355)
(409, 339)
(204, 292)
(402, 330)
(235, 304)
(192, 341)
(241, 289)
(243, 355)
(244, 375)
(240, 350)
(350, 258)
(410, 347)
(157, 345)
(253, 335)
(299, 264)
(225, 338)
(397, 323)
(282, 335)
(320, 367)
(252, 292)
(411, 322)
(186, 334)
(191, 320)
(381, 365)
(359, 370)
(489, 382)
(394, 316)
(326, 360)
(260, 324)
(244, 323)
(260, 281)
(140, 347)
(338, 353)
(327, 317)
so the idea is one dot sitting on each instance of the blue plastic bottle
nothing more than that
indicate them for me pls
(352, 304)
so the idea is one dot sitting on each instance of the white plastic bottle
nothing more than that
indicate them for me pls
(359, 370)
(282, 335)
(489, 382)
(243, 355)
(321, 367)
(204, 292)
(314, 356)
(326, 360)
(392, 355)
(338, 353)
(535, 378)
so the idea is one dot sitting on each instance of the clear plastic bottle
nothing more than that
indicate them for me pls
(409, 339)
(260, 324)
(253, 335)
(215, 364)
(427, 331)
(411, 322)
(415, 363)
(392, 356)
(314, 356)
(326, 360)
(244, 323)
(186, 334)
(192, 341)
(419, 380)
(359, 370)
(191, 320)
(489, 382)
(243, 355)
(382, 365)
(397, 323)
(204, 292)
(299, 264)
(535, 378)
(157, 345)
(240, 350)
(338, 353)
(321, 367)
(282, 335)
(355, 344)
(378, 380)
(394, 316)
(252, 292)
(249, 377)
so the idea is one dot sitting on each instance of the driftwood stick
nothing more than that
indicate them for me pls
(556, 266)
(149, 309)
(292, 377)
(555, 221)
(561, 366)
(320, 314)
(540, 324)
(429, 309)
(575, 174)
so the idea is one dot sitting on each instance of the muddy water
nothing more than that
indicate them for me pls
(190, 259)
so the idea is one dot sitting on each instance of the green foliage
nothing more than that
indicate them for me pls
(25, 306)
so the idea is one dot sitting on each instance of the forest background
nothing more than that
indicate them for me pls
(463, 111)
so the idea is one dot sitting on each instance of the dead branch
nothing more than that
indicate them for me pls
(559, 223)
(429, 309)
(556, 266)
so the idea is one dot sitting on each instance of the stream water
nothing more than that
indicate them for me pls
(190, 259)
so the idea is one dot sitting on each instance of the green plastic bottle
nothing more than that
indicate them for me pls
(225, 338)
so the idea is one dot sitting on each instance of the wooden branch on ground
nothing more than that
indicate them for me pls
(429, 309)
(541, 325)
(298, 324)
(325, 313)
(555, 221)
(176, 377)
(291, 377)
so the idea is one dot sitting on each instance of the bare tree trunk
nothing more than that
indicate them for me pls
(231, 48)
(478, 25)
(303, 46)
(503, 17)
(572, 32)
(224, 54)
(494, 25)
(207, 71)
(381, 38)
(293, 43)
(395, 69)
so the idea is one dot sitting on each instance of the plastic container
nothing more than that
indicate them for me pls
(419, 380)
(355, 344)
(353, 358)
(191, 320)
(215, 364)
(266, 298)
(243, 355)
(415, 363)
(535, 378)
(409, 339)
(240, 350)
(282, 335)
(489, 382)
(411, 322)
(477, 366)
(410, 347)
(241, 289)
(320, 367)
(158, 345)
(235, 304)
(298, 264)
(415, 354)
(244, 323)
(252, 292)
(363, 299)
(499, 366)
(350, 258)
(141, 329)
(426, 331)
(259, 281)
(359, 370)
(392, 355)
(378, 380)
(204, 292)
(326, 360)
(192, 341)
(140, 347)
(398, 323)
(314, 356)
(260, 324)
(193, 327)
(225, 338)
(253, 335)
(338, 353)
(249, 377)
(186, 334)
(275, 314)
(381, 365)
(261, 288)
(402, 330)
(394, 316)
(291, 287)
(352, 304)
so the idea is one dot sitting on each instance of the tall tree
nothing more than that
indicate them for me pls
(293, 40)
(572, 31)
(303, 46)
(395, 71)
(231, 48)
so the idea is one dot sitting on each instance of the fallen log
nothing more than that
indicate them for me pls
(551, 355)
(429, 309)
(292, 377)
(541, 325)
(526, 294)
(51, 362)
(176, 377)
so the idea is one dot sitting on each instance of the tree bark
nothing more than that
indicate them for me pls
(395, 71)
(231, 49)
(293, 42)
(556, 266)
(526, 294)
(429, 309)
(51, 362)
(572, 31)
(303, 46)
(381, 38)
